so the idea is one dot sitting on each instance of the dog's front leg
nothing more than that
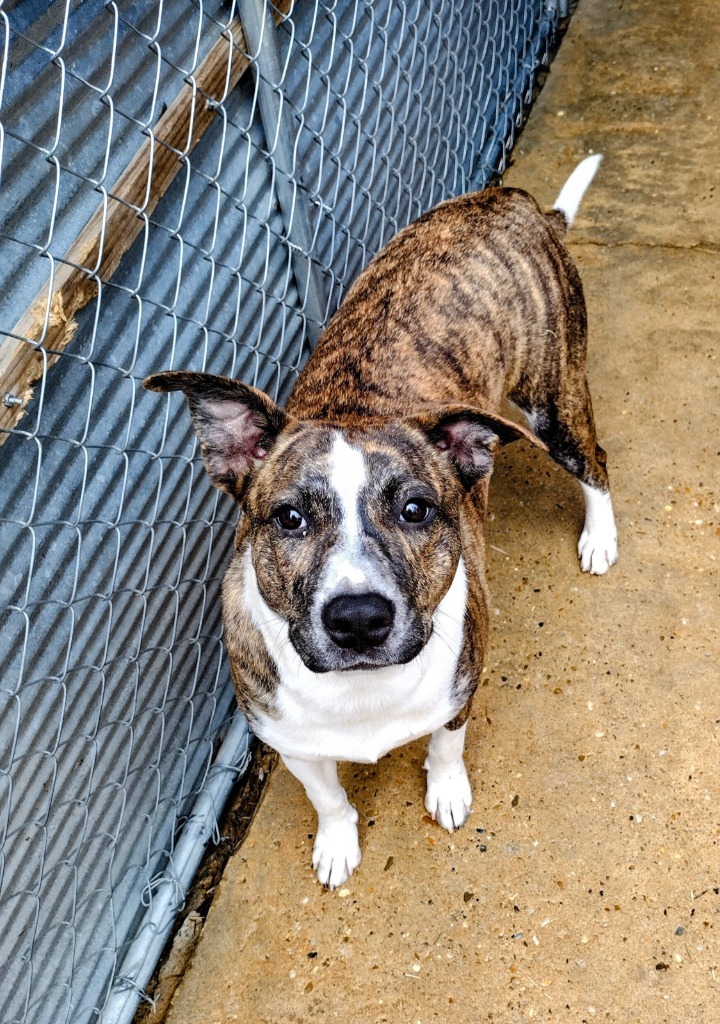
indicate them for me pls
(448, 797)
(336, 853)
(598, 545)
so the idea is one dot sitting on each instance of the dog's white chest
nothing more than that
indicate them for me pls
(360, 716)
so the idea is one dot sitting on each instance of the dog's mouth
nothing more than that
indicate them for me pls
(366, 666)
(337, 659)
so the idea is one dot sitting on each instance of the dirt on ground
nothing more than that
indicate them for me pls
(586, 884)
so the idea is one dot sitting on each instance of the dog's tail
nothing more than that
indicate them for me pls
(567, 203)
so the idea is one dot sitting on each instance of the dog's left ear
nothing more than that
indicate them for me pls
(236, 424)
(471, 437)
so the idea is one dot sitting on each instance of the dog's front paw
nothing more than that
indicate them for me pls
(598, 550)
(598, 546)
(336, 853)
(448, 797)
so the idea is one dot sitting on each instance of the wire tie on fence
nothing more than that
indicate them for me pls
(215, 831)
(295, 247)
(124, 984)
(154, 884)
(317, 202)
(239, 768)
(206, 829)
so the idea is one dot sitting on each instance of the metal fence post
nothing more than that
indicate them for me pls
(171, 888)
(277, 122)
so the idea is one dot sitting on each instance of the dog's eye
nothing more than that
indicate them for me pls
(415, 511)
(290, 519)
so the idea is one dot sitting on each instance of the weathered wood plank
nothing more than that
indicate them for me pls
(49, 325)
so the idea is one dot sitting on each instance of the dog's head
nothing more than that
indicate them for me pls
(354, 528)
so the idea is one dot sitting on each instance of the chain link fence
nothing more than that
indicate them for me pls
(189, 184)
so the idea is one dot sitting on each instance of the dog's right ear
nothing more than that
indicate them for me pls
(236, 424)
(470, 437)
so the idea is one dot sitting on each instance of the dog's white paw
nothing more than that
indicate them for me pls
(336, 853)
(448, 798)
(598, 546)
(598, 550)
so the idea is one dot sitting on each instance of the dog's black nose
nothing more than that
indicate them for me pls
(358, 621)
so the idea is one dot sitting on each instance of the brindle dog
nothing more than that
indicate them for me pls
(356, 604)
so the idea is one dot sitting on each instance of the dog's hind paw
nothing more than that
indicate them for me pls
(336, 853)
(448, 798)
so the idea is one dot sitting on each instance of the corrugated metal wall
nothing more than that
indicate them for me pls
(115, 691)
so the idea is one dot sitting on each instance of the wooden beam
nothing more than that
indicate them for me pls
(49, 325)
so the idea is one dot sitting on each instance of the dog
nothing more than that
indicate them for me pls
(355, 605)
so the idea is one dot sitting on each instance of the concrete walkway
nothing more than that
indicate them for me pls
(585, 885)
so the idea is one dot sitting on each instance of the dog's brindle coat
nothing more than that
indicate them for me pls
(356, 605)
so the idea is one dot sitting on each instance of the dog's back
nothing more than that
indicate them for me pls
(461, 306)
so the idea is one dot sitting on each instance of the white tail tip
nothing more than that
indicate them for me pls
(576, 186)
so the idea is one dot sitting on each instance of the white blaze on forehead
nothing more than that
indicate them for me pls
(348, 474)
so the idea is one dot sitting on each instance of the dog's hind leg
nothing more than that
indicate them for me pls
(565, 423)
(336, 853)
(448, 797)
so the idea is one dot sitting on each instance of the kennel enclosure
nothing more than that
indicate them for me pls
(194, 185)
